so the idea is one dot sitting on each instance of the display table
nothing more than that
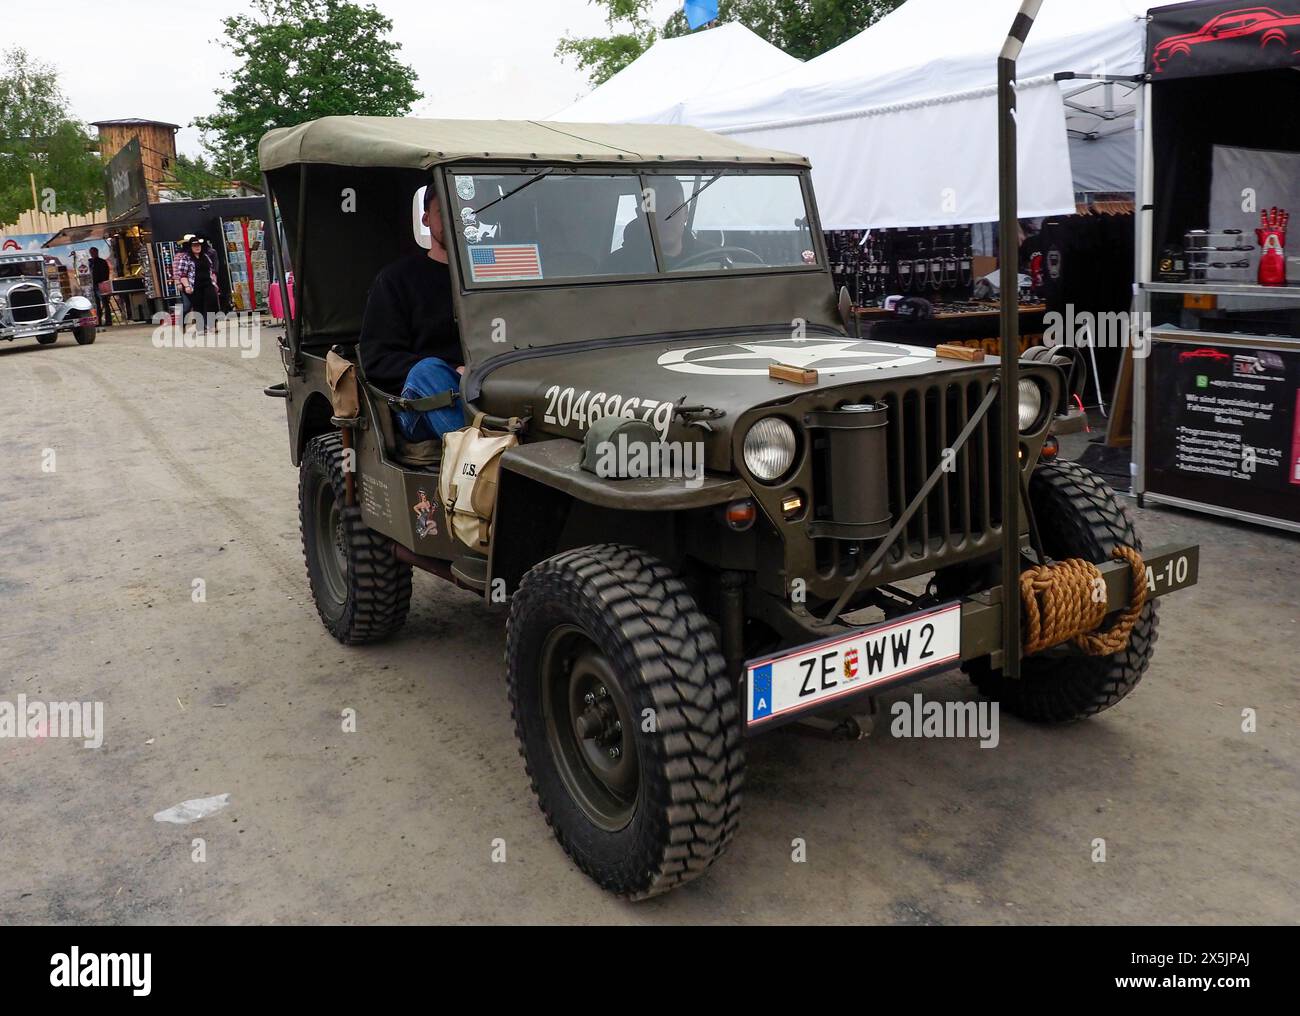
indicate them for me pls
(976, 325)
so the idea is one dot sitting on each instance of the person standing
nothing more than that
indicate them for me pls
(100, 276)
(195, 273)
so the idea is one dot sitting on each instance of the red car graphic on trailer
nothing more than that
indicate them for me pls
(1272, 27)
(1202, 354)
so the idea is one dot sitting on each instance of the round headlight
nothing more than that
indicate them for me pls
(769, 449)
(1031, 405)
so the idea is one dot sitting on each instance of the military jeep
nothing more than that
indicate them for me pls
(833, 525)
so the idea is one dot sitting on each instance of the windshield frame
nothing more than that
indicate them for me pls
(41, 268)
(447, 188)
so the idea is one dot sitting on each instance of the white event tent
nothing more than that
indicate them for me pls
(900, 121)
(653, 87)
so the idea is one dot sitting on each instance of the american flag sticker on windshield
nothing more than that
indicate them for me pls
(498, 262)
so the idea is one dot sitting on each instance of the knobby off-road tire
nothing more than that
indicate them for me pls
(362, 591)
(667, 808)
(1078, 516)
(84, 334)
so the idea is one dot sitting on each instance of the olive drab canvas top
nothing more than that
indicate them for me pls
(412, 143)
(543, 261)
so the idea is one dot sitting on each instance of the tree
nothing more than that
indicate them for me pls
(303, 59)
(195, 179)
(803, 28)
(604, 56)
(38, 138)
(71, 169)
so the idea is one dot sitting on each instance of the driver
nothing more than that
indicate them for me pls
(410, 343)
(676, 243)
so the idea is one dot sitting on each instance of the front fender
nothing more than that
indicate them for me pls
(73, 303)
(555, 463)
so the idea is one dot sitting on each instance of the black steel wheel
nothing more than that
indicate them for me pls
(362, 591)
(627, 722)
(1078, 516)
(589, 725)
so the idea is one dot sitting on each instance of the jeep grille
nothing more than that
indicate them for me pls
(962, 516)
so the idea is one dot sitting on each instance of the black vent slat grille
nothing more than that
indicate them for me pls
(924, 422)
(960, 519)
(963, 461)
(27, 304)
(945, 488)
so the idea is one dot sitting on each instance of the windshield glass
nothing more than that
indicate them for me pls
(726, 221)
(516, 227)
(14, 269)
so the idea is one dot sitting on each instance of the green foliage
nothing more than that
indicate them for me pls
(601, 57)
(38, 137)
(299, 60)
(803, 28)
(195, 179)
(72, 170)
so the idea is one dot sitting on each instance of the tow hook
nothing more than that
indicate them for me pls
(854, 727)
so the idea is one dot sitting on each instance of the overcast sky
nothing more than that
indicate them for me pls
(160, 59)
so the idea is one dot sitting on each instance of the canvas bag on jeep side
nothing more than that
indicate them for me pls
(467, 484)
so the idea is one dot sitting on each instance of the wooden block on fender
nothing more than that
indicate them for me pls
(795, 375)
(949, 351)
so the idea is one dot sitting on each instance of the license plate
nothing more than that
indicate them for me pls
(780, 688)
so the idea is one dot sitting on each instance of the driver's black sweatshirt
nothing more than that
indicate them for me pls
(408, 317)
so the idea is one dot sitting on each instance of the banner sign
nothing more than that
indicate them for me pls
(124, 185)
(1225, 428)
(1200, 39)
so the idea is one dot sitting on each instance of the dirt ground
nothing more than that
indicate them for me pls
(171, 466)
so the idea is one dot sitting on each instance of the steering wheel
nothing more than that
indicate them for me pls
(719, 254)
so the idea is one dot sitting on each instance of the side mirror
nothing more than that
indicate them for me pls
(847, 316)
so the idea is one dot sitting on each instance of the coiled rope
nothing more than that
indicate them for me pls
(1066, 602)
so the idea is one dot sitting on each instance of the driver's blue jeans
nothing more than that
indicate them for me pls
(431, 376)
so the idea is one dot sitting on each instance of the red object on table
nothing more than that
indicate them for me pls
(1272, 244)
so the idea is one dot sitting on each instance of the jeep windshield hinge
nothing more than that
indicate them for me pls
(699, 416)
(287, 357)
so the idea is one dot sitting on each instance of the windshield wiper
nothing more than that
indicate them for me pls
(496, 201)
(715, 179)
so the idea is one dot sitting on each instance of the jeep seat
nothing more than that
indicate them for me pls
(424, 455)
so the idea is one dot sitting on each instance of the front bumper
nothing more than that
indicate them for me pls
(64, 320)
(1169, 569)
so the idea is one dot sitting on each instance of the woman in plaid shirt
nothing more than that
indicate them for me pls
(195, 273)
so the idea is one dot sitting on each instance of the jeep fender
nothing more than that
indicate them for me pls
(546, 502)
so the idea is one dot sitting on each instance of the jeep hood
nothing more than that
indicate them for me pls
(565, 389)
